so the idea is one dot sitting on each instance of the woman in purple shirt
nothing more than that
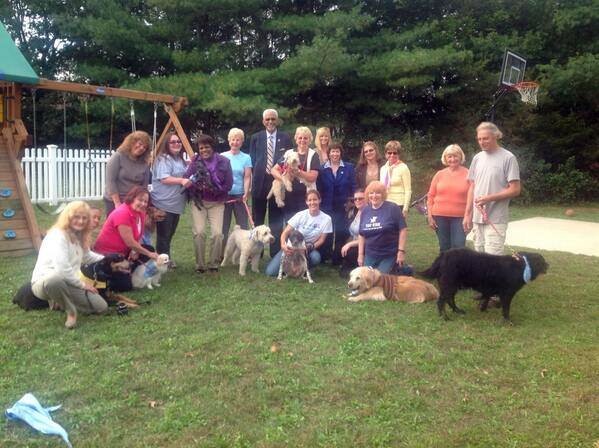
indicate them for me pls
(383, 232)
(212, 178)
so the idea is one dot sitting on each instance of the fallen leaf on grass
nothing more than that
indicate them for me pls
(153, 403)
(274, 348)
(544, 374)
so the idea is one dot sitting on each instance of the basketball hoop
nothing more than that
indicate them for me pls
(528, 91)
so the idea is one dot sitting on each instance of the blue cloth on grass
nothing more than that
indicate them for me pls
(31, 412)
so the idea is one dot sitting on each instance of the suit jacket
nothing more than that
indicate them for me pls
(336, 189)
(261, 182)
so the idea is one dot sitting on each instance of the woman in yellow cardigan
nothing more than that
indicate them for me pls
(395, 175)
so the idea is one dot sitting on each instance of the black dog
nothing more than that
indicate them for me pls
(104, 276)
(500, 275)
(201, 181)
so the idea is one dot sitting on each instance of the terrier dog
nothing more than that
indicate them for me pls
(296, 264)
(290, 168)
(201, 181)
(244, 245)
(148, 274)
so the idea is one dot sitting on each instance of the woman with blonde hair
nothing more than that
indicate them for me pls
(369, 165)
(383, 231)
(396, 177)
(127, 167)
(306, 176)
(55, 277)
(447, 198)
(322, 142)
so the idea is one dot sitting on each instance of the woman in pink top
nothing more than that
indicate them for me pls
(447, 199)
(122, 232)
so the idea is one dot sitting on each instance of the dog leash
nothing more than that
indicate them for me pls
(247, 210)
(483, 211)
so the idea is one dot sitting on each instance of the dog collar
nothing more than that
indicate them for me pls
(527, 274)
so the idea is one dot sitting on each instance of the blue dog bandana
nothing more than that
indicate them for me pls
(151, 269)
(527, 274)
(31, 412)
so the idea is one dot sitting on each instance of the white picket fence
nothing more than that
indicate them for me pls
(56, 174)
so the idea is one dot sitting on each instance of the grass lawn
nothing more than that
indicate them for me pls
(217, 361)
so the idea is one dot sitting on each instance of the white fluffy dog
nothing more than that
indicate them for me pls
(290, 167)
(148, 274)
(245, 244)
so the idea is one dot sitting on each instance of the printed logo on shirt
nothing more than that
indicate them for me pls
(373, 224)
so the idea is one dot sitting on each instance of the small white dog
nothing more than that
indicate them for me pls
(290, 167)
(245, 244)
(148, 274)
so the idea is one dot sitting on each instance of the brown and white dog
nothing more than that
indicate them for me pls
(244, 245)
(366, 283)
(290, 167)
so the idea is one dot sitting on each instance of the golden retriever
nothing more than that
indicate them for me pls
(370, 284)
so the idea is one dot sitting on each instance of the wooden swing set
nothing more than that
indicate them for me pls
(19, 231)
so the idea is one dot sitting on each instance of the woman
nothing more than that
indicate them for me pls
(306, 176)
(55, 277)
(208, 204)
(167, 185)
(241, 167)
(383, 232)
(349, 251)
(122, 232)
(336, 184)
(322, 142)
(127, 167)
(447, 198)
(396, 177)
(313, 224)
(369, 165)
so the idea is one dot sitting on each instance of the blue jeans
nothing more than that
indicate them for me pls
(272, 269)
(450, 232)
(382, 264)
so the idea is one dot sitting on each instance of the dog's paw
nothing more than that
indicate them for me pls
(352, 299)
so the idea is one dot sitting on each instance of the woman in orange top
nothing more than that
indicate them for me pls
(447, 199)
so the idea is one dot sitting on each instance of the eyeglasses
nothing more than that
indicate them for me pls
(368, 150)
(270, 119)
(359, 199)
(204, 147)
(389, 153)
(175, 142)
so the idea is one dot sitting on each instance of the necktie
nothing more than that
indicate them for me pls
(270, 152)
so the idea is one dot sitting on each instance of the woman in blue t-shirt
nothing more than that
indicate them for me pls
(383, 232)
(241, 166)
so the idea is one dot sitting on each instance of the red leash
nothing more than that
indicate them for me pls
(486, 220)
(247, 210)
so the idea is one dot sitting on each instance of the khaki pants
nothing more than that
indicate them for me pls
(72, 299)
(211, 213)
(487, 240)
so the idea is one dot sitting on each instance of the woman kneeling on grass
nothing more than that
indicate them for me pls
(55, 277)
(313, 224)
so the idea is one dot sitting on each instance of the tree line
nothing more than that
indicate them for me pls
(421, 70)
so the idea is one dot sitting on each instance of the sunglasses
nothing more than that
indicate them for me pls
(358, 199)
(392, 153)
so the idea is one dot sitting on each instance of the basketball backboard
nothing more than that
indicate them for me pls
(512, 71)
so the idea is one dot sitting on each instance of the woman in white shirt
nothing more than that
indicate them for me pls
(56, 277)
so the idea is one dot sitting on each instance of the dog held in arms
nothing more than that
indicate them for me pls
(148, 274)
(244, 245)
(295, 264)
(98, 275)
(366, 283)
(291, 166)
(201, 181)
(491, 275)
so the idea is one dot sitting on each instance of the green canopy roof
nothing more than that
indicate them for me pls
(13, 65)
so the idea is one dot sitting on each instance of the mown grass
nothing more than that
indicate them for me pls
(196, 365)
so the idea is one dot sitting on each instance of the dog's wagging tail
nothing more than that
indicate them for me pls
(491, 275)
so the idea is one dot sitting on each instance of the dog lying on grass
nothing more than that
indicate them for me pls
(491, 275)
(244, 245)
(367, 283)
(98, 275)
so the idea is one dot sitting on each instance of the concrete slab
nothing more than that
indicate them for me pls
(577, 237)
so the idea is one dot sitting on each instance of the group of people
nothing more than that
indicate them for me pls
(354, 215)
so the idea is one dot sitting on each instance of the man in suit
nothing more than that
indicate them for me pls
(266, 148)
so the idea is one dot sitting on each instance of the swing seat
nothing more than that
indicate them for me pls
(5, 193)
(10, 234)
(8, 213)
